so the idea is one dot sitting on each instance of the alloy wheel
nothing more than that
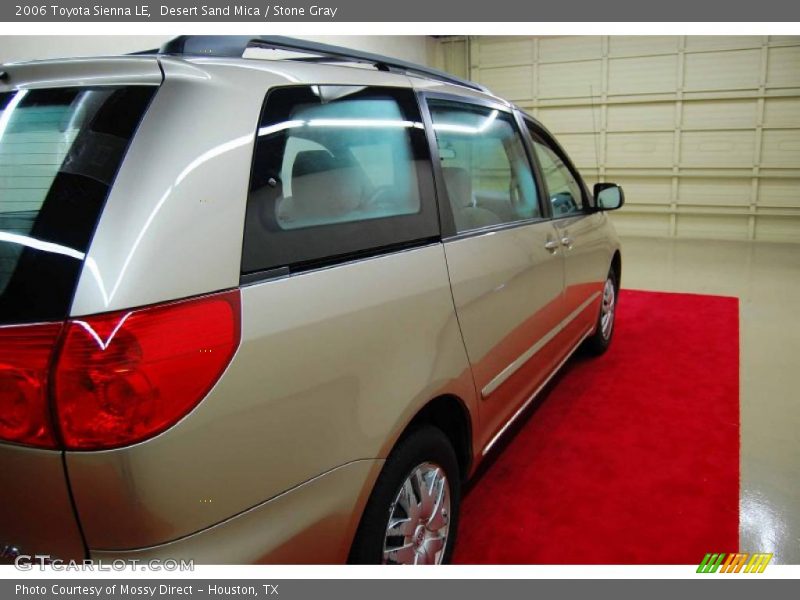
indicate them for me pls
(608, 308)
(419, 518)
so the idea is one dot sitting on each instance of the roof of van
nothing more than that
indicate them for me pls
(140, 69)
(266, 51)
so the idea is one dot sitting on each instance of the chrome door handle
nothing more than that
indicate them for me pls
(551, 245)
(567, 241)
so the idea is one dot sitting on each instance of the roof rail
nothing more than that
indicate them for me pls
(235, 45)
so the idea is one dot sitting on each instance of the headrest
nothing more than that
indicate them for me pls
(323, 190)
(312, 161)
(459, 186)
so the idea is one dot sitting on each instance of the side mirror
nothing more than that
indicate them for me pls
(608, 196)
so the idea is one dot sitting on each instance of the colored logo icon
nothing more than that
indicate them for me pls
(734, 563)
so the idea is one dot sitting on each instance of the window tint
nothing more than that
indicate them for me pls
(486, 171)
(337, 170)
(565, 193)
(59, 153)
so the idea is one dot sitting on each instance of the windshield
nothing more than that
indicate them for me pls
(60, 150)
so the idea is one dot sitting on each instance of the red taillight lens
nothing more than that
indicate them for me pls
(124, 377)
(25, 353)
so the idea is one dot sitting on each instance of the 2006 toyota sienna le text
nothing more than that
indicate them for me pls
(275, 310)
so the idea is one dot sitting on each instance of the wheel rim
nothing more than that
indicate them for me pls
(607, 309)
(419, 518)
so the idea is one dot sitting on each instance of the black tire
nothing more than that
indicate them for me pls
(424, 444)
(598, 342)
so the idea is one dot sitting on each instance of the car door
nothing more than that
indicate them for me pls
(503, 255)
(580, 233)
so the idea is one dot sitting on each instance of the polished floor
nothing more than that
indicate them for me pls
(766, 279)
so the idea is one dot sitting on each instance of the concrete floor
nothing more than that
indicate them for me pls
(766, 278)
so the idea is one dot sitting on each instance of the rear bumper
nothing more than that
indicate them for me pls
(36, 514)
(311, 523)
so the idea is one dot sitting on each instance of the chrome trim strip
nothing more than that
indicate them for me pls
(503, 375)
(535, 394)
(470, 233)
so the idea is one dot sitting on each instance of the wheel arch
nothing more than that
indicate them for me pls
(449, 413)
(616, 264)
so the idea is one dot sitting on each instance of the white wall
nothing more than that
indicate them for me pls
(415, 48)
(702, 131)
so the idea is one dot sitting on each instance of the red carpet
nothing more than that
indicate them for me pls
(631, 458)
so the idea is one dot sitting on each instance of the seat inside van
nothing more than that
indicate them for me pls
(467, 213)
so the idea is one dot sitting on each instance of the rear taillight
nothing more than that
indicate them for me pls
(124, 377)
(25, 353)
(118, 378)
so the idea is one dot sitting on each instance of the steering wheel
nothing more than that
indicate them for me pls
(563, 203)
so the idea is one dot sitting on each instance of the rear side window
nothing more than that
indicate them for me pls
(338, 171)
(486, 170)
(60, 150)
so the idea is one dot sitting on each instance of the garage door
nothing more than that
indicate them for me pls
(703, 132)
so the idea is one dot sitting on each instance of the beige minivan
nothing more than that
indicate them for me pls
(276, 308)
